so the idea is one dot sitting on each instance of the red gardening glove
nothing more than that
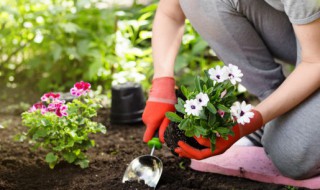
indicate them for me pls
(185, 150)
(162, 99)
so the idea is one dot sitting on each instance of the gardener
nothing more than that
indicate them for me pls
(254, 35)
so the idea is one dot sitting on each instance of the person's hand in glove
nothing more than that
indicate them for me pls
(185, 150)
(162, 99)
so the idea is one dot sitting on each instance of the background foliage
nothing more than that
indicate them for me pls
(48, 45)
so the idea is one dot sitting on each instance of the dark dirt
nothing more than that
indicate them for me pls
(173, 135)
(22, 168)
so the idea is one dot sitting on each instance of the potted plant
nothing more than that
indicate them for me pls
(63, 129)
(210, 111)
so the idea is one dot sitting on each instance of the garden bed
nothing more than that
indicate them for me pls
(22, 168)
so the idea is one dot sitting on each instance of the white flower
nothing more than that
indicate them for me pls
(192, 107)
(218, 74)
(242, 112)
(234, 74)
(202, 99)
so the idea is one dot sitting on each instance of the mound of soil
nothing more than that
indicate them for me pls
(21, 168)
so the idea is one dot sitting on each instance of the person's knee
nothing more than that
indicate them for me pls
(292, 141)
(299, 168)
(294, 162)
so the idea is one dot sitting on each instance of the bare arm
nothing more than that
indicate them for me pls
(167, 32)
(303, 81)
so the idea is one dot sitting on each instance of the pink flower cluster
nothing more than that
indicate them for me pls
(54, 105)
(80, 88)
(50, 95)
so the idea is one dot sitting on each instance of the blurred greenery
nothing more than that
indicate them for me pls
(48, 45)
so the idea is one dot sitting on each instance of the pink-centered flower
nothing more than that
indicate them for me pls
(50, 96)
(38, 106)
(80, 88)
(58, 107)
(221, 113)
(54, 105)
(62, 111)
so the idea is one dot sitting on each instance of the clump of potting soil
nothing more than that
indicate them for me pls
(173, 135)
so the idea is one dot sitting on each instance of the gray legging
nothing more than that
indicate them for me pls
(252, 35)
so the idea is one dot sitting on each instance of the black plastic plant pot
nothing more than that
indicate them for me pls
(127, 104)
(173, 135)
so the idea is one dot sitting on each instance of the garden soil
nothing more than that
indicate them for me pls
(24, 169)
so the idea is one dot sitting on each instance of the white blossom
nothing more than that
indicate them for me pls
(218, 74)
(234, 74)
(192, 107)
(130, 75)
(202, 99)
(242, 112)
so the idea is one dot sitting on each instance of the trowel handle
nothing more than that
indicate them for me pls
(155, 141)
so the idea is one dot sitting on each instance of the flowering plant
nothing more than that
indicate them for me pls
(63, 128)
(211, 110)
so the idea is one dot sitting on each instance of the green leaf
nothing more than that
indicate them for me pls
(93, 143)
(185, 91)
(145, 35)
(83, 163)
(212, 120)
(70, 142)
(211, 108)
(180, 63)
(199, 47)
(198, 84)
(173, 117)
(83, 47)
(202, 115)
(145, 16)
(184, 125)
(77, 152)
(213, 142)
(51, 157)
(93, 69)
(223, 130)
(70, 27)
(102, 128)
(52, 165)
(181, 101)
(223, 108)
(199, 130)
(189, 133)
(39, 133)
(209, 90)
(203, 123)
(180, 106)
(56, 52)
(69, 157)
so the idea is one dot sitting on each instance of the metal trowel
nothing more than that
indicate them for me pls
(147, 168)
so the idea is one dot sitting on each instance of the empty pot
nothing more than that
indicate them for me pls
(127, 103)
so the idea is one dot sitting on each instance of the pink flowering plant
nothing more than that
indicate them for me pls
(62, 128)
(211, 109)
